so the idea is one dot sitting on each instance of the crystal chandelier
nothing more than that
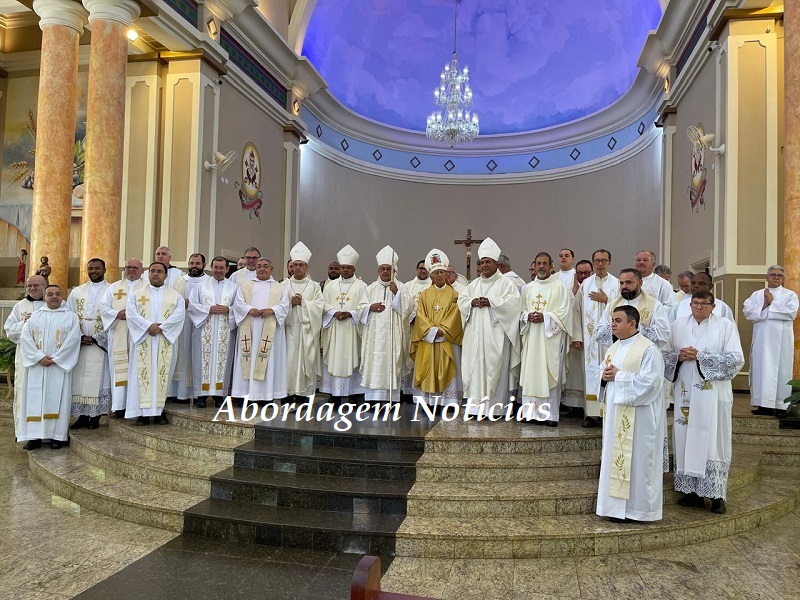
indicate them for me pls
(453, 124)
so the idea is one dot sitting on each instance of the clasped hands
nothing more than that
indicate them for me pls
(46, 361)
(481, 302)
(343, 315)
(688, 354)
(218, 309)
(768, 298)
(87, 340)
(376, 307)
(610, 373)
(535, 317)
(297, 300)
(261, 312)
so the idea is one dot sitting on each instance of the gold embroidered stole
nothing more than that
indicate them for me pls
(624, 421)
(119, 346)
(179, 285)
(208, 297)
(646, 306)
(264, 347)
(41, 403)
(165, 349)
(88, 373)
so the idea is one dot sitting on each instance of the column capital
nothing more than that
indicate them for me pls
(119, 11)
(61, 12)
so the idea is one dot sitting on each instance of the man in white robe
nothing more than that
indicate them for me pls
(414, 288)
(573, 389)
(490, 355)
(545, 319)
(652, 284)
(384, 313)
(303, 326)
(91, 385)
(260, 310)
(705, 354)
(631, 384)
(701, 282)
(772, 311)
(456, 280)
(595, 293)
(154, 314)
(50, 342)
(164, 256)
(112, 311)
(504, 266)
(341, 335)
(248, 272)
(22, 311)
(684, 286)
(566, 264)
(212, 321)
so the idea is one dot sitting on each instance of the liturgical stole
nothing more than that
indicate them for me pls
(143, 350)
(647, 305)
(208, 298)
(267, 333)
(119, 349)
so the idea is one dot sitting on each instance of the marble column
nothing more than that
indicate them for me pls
(791, 158)
(62, 23)
(105, 131)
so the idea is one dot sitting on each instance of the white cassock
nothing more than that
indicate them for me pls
(414, 288)
(490, 355)
(173, 274)
(772, 348)
(341, 340)
(13, 328)
(212, 350)
(683, 309)
(590, 313)
(385, 337)
(659, 288)
(45, 407)
(242, 275)
(114, 300)
(703, 403)
(518, 281)
(654, 323)
(631, 482)
(303, 325)
(543, 344)
(91, 385)
(250, 353)
(151, 358)
(459, 286)
(567, 278)
(182, 383)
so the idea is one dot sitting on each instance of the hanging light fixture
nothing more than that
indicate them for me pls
(453, 124)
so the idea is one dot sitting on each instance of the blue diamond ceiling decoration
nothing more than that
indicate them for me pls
(533, 63)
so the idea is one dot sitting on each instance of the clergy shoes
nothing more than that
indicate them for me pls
(590, 422)
(56, 444)
(200, 402)
(781, 414)
(766, 412)
(691, 500)
(718, 506)
(83, 421)
(32, 445)
(143, 421)
(119, 414)
(94, 423)
(161, 420)
(551, 423)
(217, 402)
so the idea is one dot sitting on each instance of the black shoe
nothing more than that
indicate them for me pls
(56, 444)
(83, 421)
(32, 445)
(119, 414)
(161, 419)
(218, 402)
(617, 520)
(94, 423)
(718, 506)
(781, 414)
(200, 403)
(691, 500)
(551, 423)
(143, 421)
(763, 411)
(671, 406)
(590, 422)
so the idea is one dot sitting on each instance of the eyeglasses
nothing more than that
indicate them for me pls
(251, 257)
(700, 304)
(775, 275)
(601, 260)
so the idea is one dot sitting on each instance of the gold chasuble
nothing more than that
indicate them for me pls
(435, 363)
(646, 306)
(624, 419)
(160, 379)
(267, 333)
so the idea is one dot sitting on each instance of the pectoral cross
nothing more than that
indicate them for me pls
(437, 307)
(342, 299)
(245, 342)
(120, 294)
(608, 361)
(539, 304)
(683, 390)
(468, 242)
(266, 343)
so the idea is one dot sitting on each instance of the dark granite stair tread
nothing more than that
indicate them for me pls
(332, 453)
(320, 483)
(258, 514)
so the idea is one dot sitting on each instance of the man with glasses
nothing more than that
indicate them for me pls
(701, 282)
(684, 286)
(703, 356)
(772, 311)
(22, 311)
(248, 273)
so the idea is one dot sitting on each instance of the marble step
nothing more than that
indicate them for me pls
(327, 460)
(362, 533)
(66, 474)
(378, 439)
(6, 417)
(755, 422)
(313, 492)
(785, 438)
(6, 404)
(774, 494)
(178, 441)
(105, 449)
(200, 420)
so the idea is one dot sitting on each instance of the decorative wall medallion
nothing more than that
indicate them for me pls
(250, 194)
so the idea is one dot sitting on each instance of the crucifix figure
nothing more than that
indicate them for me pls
(342, 299)
(120, 293)
(468, 243)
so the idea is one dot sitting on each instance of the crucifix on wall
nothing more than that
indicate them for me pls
(468, 243)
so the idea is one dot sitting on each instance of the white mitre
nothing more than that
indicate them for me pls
(300, 252)
(488, 249)
(436, 261)
(347, 256)
(387, 256)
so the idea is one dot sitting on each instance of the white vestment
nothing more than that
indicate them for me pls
(518, 281)
(242, 275)
(149, 373)
(13, 328)
(659, 288)
(45, 406)
(385, 339)
(341, 340)
(490, 354)
(303, 326)
(657, 331)
(640, 394)
(91, 386)
(591, 314)
(567, 278)
(114, 300)
(683, 309)
(182, 383)
(212, 342)
(703, 403)
(173, 274)
(414, 288)
(273, 386)
(543, 344)
(772, 348)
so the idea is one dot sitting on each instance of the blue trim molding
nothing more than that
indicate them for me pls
(253, 69)
(188, 9)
